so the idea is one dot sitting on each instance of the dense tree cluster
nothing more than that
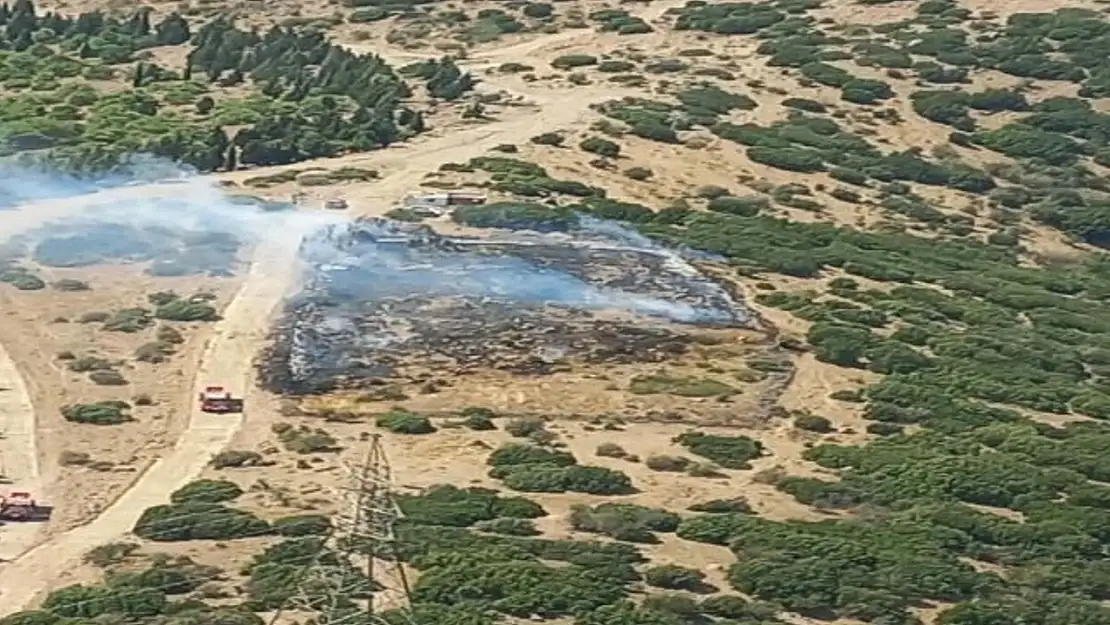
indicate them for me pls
(317, 99)
(1053, 138)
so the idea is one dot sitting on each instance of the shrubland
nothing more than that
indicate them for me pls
(981, 490)
(197, 114)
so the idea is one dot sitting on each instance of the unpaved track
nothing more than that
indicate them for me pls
(18, 452)
(227, 359)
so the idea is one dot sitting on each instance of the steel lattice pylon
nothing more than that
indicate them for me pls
(358, 573)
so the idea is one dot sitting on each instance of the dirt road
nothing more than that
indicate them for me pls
(19, 450)
(228, 357)
(235, 340)
(19, 462)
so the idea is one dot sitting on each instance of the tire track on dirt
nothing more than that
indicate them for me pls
(227, 358)
(19, 448)
(18, 452)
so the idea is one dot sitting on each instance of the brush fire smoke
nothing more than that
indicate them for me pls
(178, 222)
(382, 292)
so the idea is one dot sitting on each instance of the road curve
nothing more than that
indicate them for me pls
(19, 457)
(227, 358)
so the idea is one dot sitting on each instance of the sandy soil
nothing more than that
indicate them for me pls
(20, 466)
(227, 357)
(525, 109)
(114, 454)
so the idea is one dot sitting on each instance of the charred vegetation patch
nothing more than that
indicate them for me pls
(384, 299)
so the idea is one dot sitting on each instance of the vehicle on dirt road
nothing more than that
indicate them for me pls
(20, 506)
(216, 399)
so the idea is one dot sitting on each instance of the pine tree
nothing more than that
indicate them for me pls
(137, 79)
(172, 31)
(22, 22)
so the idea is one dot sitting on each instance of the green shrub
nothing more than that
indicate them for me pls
(167, 334)
(516, 216)
(666, 66)
(206, 491)
(736, 505)
(880, 428)
(614, 66)
(514, 68)
(108, 378)
(638, 173)
(508, 527)
(305, 440)
(479, 421)
(87, 602)
(662, 462)
(69, 284)
(129, 320)
(570, 61)
(674, 577)
(233, 458)
(197, 521)
(803, 104)
(186, 310)
(401, 422)
(610, 450)
(813, 423)
(100, 413)
(514, 455)
(546, 478)
(85, 364)
(601, 147)
(154, 352)
(704, 99)
(742, 206)
(463, 507)
(731, 452)
(711, 192)
(302, 525)
(846, 195)
(849, 176)
(549, 138)
(538, 10)
(525, 427)
(367, 14)
(789, 159)
(626, 522)
(22, 280)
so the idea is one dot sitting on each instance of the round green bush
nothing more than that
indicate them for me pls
(206, 491)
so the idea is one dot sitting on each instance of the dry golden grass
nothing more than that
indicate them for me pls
(295, 483)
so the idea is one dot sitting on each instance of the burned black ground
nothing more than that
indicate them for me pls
(384, 302)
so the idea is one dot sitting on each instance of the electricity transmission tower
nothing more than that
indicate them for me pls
(358, 574)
